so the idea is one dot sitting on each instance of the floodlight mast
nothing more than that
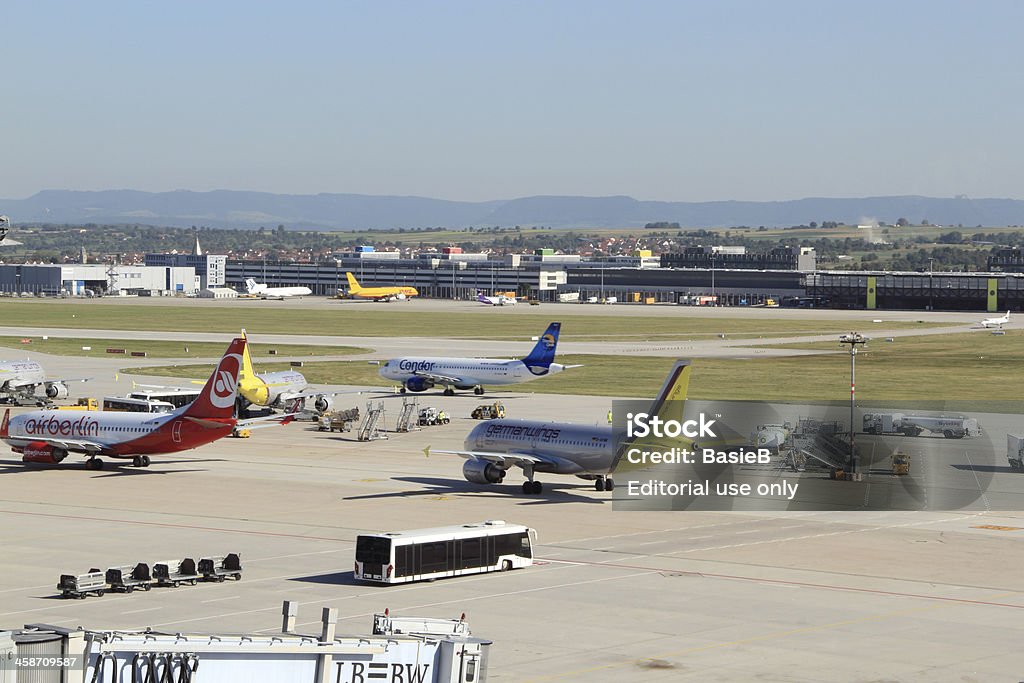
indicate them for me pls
(853, 339)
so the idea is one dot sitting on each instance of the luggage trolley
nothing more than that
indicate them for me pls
(176, 572)
(220, 567)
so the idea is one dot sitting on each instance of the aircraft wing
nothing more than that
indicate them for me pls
(440, 379)
(313, 394)
(268, 420)
(73, 446)
(539, 461)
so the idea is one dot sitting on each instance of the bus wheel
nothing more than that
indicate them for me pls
(506, 565)
(948, 434)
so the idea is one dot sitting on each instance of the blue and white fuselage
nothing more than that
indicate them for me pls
(418, 373)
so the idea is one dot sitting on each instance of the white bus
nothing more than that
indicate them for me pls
(176, 397)
(427, 554)
(136, 405)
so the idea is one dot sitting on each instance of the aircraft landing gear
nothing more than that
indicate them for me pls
(478, 390)
(402, 390)
(604, 484)
(532, 487)
(141, 461)
(448, 391)
(94, 464)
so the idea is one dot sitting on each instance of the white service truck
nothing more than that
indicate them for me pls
(913, 425)
(1015, 452)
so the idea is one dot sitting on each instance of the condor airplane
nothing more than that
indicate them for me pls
(397, 293)
(587, 451)
(262, 291)
(19, 379)
(47, 436)
(418, 373)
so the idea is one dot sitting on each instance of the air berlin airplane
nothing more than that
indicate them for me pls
(47, 436)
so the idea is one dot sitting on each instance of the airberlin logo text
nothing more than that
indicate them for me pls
(641, 425)
(54, 426)
(226, 382)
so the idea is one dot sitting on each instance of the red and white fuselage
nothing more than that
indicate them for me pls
(48, 436)
(115, 434)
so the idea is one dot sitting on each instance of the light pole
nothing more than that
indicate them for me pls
(853, 339)
(714, 299)
(931, 287)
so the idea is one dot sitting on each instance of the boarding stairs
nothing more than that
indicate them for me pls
(372, 426)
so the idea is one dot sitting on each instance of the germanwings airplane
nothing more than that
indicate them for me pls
(996, 322)
(262, 291)
(418, 373)
(47, 436)
(586, 451)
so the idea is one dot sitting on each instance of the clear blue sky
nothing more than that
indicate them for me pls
(474, 100)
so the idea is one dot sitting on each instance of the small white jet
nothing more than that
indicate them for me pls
(264, 292)
(500, 300)
(996, 322)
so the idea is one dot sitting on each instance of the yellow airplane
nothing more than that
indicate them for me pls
(278, 389)
(357, 291)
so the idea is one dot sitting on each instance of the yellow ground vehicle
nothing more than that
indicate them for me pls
(83, 404)
(900, 463)
(488, 411)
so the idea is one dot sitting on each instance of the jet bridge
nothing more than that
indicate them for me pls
(400, 650)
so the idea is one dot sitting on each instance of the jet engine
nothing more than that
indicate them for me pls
(40, 451)
(482, 472)
(323, 403)
(418, 384)
(56, 390)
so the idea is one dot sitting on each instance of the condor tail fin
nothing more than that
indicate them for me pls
(4, 433)
(217, 399)
(543, 354)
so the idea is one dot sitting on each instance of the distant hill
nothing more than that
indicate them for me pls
(235, 209)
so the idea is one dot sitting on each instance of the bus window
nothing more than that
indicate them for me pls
(373, 550)
(134, 405)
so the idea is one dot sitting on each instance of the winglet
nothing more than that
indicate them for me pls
(3, 425)
(426, 451)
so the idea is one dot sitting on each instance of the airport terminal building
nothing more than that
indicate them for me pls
(695, 276)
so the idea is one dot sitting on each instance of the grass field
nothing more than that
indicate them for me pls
(166, 349)
(368, 321)
(960, 372)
